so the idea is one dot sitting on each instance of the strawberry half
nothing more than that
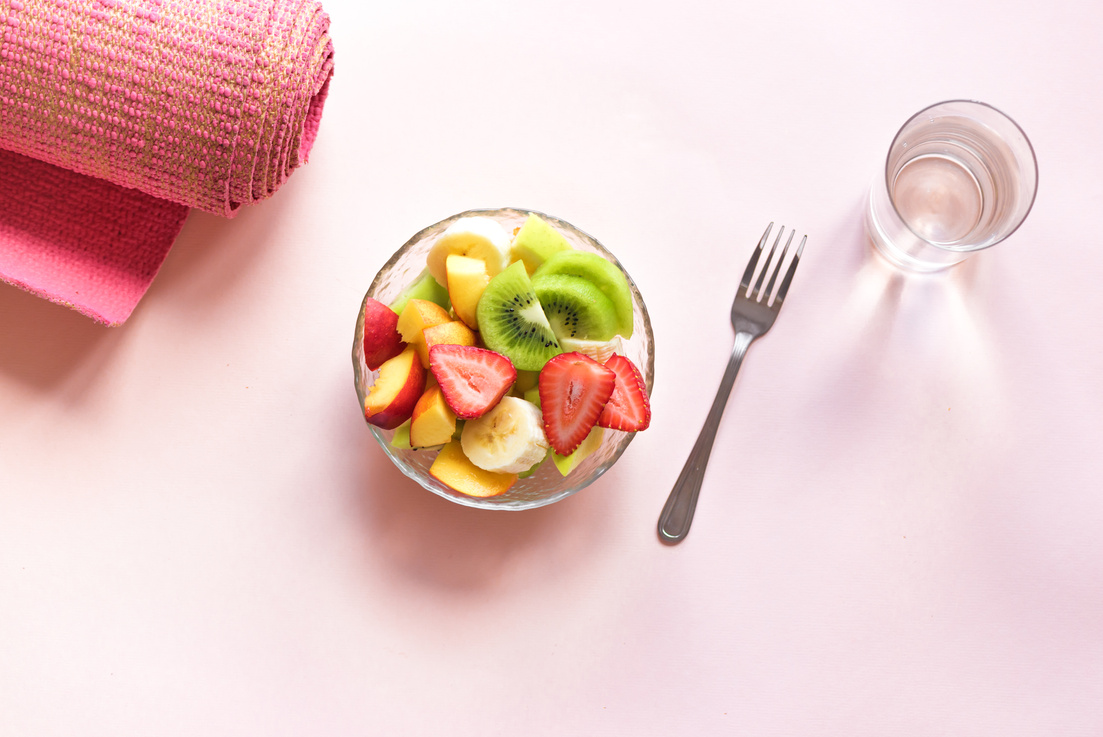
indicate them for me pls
(472, 379)
(573, 390)
(629, 408)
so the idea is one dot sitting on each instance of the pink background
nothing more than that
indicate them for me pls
(900, 530)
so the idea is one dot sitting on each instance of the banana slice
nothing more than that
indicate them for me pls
(507, 439)
(599, 350)
(475, 236)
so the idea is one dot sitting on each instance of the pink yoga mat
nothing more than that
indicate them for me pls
(119, 116)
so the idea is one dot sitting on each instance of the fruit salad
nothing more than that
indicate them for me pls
(505, 354)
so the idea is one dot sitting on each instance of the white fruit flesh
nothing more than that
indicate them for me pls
(507, 439)
(476, 237)
(599, 350)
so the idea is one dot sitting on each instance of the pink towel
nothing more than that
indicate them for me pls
(118, 116)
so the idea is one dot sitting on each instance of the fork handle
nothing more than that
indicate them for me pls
(678, 511)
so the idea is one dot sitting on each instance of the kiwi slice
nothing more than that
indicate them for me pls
(601, 273)
(575, 307)
(512, 322)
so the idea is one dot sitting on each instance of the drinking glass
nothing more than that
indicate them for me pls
(960, 177)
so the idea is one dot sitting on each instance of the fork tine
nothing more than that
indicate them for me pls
(745, 283)
(789, 274)
(766, 267)
(777, 268)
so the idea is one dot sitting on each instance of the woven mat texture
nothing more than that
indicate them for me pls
(118, 116)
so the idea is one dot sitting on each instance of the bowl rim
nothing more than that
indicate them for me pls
(396, 455)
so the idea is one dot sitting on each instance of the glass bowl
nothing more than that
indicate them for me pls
(547, 485)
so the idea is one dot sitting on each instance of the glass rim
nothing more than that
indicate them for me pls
(1002, 114)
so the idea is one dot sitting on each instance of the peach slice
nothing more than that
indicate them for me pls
(467, 278)
(433, 422)
(453, 332)
(399, 385)
(417, 315)
(382, 340)
(452, 468)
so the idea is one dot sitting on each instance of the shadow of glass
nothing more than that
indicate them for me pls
(894, 330)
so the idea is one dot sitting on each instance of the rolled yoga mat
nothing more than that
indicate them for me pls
(119, 116)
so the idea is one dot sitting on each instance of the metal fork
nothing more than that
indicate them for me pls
(752, 315)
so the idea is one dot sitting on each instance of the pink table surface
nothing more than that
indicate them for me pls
(899, 533)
